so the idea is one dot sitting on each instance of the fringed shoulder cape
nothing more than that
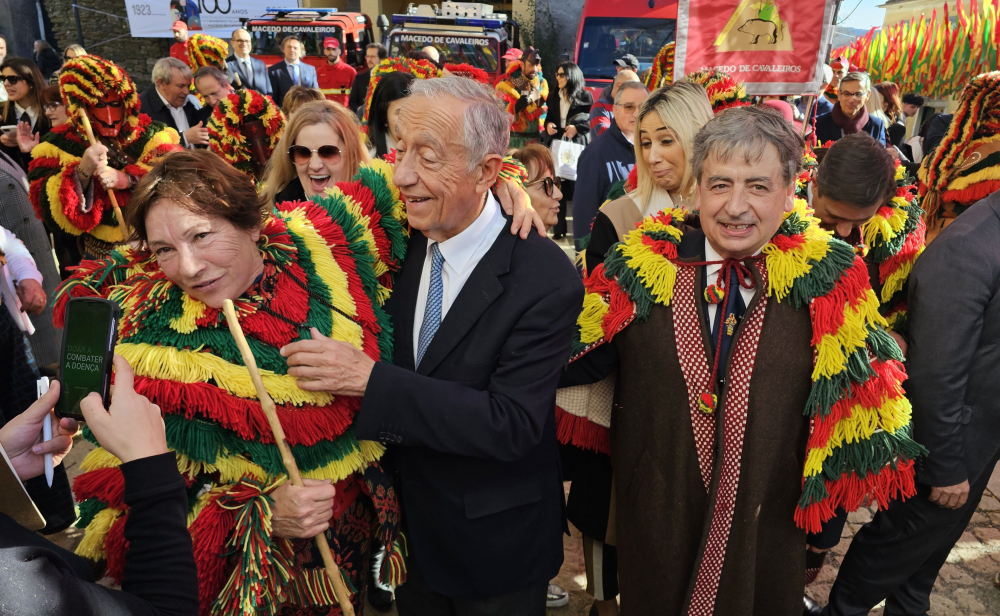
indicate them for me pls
(859, 449)
(328, 264)
(56, 193)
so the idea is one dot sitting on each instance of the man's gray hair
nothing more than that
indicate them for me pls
(862, 78)
(486, 127)
(164, 67)
(746, 132)
(629, 85)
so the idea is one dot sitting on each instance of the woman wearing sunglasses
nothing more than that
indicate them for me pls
(543, 186)
(23, 83)
(320, 147)
(568, 119)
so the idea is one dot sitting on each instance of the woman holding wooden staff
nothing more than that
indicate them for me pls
(302, 269)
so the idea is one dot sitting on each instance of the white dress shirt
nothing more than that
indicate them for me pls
(712, 273)
(179, 118)
(19, 111)
(461, 255)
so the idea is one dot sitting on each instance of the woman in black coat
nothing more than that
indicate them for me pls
(24, 85)
(568, 119)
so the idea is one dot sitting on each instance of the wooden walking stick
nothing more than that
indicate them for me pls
(267, 404)
(111, 193)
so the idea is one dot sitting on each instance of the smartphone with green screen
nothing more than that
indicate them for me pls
(88, 347)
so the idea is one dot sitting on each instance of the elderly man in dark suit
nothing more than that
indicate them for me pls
(291, 71)
(954, 331)
(166, 100)
(483, 324)
(252, 72)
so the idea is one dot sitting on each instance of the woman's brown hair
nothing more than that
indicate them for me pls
(28, 71)
(537, 159)
(50, 94)
(200, 181)
(298, 96)
(280, 170)
(890, 98)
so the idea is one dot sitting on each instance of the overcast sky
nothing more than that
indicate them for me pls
(865, 16)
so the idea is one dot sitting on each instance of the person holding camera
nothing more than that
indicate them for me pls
(43, 579)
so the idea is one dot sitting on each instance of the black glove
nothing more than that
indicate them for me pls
(521, 104)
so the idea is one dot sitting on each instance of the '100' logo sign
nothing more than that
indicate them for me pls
(215, 6)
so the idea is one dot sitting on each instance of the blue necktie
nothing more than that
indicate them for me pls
(295, 74)
(432, 311)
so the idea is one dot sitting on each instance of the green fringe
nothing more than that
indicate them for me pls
(394, 230)
(206, 442)
(824, 274)
(882, 251)
(88, 510)
(617, 191)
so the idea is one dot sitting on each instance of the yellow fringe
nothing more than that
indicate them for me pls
(52, 186)
(833, 349)
(591, 319)
(368, 452)
(898, 278)
(50, 150)
(785, 267)
(167, 135)
(92, 545)
(99, 458)
(344, 329)
(369, 238)
(892, 414)
(192, 310)
(187, 366)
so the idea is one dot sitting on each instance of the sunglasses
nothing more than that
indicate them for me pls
(301, 155)
(12, 79)
(547, 184)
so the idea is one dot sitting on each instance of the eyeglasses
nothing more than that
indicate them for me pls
(855, 95)
(242, 41)
(547, 184)
(560, 74)
(301, 155)
(12, 79)
(629, 108)
(52, 106)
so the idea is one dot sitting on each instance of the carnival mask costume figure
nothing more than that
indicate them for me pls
(244, 129)
(525, 93)
(70, 178)
(304, 270)
(757, 389)
(965, 166)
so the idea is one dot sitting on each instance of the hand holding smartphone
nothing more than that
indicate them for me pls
(88, 349)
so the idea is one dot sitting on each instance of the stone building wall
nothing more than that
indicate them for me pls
(135, 55)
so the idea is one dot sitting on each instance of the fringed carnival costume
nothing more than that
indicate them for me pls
(530, 119)
(328, 263)
(965, 167)
(101, 89)
(244, 129)
(421, 69)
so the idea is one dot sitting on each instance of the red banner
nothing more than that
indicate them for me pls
(773, 46)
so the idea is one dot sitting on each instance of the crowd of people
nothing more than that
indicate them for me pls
(779, 314)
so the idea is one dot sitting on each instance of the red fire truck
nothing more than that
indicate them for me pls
(610, 29)
(312, 25)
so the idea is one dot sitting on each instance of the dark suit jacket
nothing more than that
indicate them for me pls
(472, 432)
(42, 126)
(281, 79)
(152, 105)
(935, 132)
(954, 347)
(359, 90)
(259, 80)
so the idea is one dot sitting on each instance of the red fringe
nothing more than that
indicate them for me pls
(827, 311)
(288, 299)
(788, 242)
(870, 394)
(303, 425)
(115, 548)
(209, 533)
(664, 248)
(853, 491)
(968, 196)
(581, 432)
(105, 484)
